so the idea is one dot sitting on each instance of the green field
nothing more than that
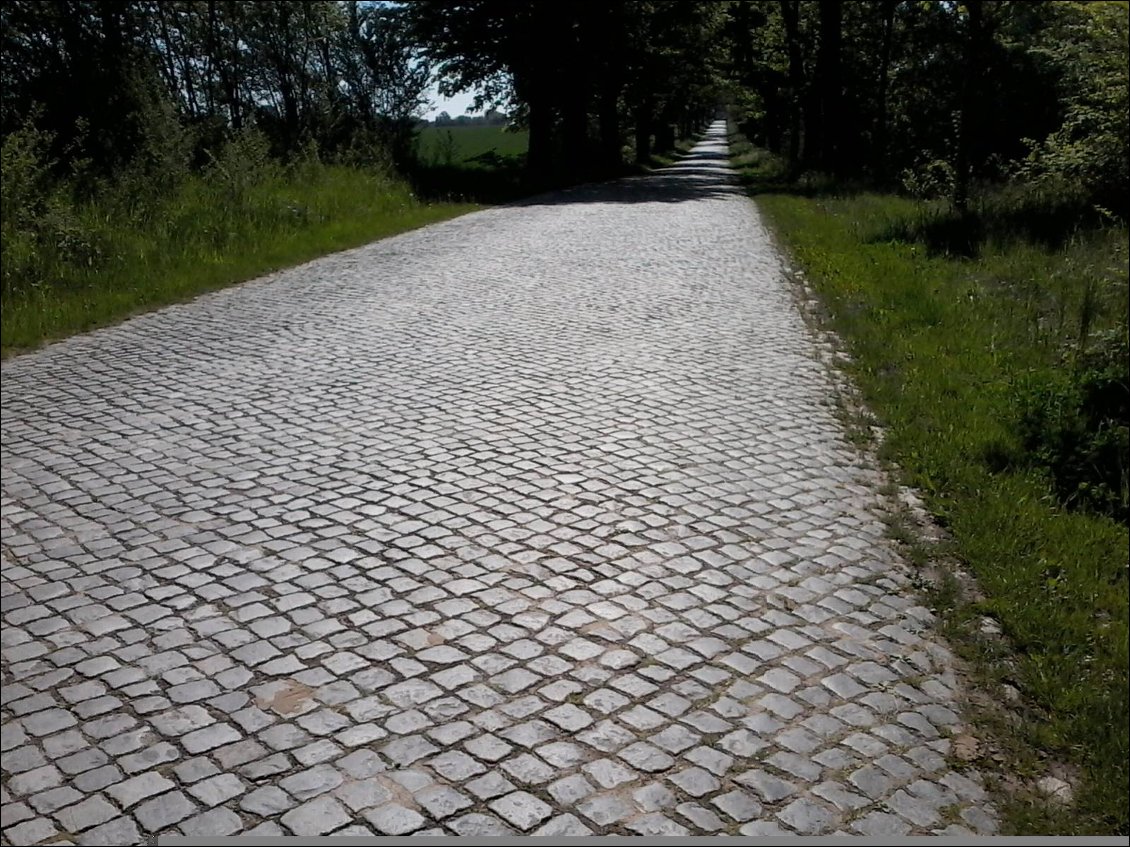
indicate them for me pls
(469, 146)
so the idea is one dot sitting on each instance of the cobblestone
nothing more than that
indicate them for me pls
(214, 822)
(394, 819)
(540, 520)
(317, 817)
(89, 813)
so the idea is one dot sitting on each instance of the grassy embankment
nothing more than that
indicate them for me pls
(71, 265)
(974, 366)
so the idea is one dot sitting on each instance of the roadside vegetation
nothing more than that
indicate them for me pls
(75, 259)
(987, 333)
(999, 381)
(471, 146)
(961, 214)
(151, 152)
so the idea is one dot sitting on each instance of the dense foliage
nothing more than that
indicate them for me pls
(93, 72)
(938, 95)
(581, 76)
(152, 150)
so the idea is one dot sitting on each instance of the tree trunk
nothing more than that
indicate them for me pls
(643, 134)
(223, 67)
(609, 117)
(665, 133)
(879, 153)
(540, 155)
(967, 121)
(790, 14)
(609, 34)
(575, 130)
(830, 125)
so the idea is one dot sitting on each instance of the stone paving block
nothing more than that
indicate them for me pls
(97, 779)
(54, 798)
(528, 770)
(768, 787)
(214, 822)
(564, 826)
(880, 825)
(644, 757)
(695, 781)
(88, 813)
(217, 789)
(316, 817)
(739, 805)
(209, 738)
(31, 832)
(138, 788)
(479, 825)
(807, 817)
(14, 813)
(163, 811)
(311, 782)
(394, 819)
(521, 809)
(656, 824)
(33, 781)
(442, 801)
(489, 785)
(266, 801)
(118, 831)
(605, 809)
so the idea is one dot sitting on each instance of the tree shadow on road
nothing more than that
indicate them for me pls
(701, 175)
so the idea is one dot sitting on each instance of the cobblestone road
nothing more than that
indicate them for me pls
(538, 520)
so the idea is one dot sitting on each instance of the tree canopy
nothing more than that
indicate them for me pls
(937, 95)
(944, 93)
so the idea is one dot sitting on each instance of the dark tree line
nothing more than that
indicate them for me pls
(97, 74)
(590, 81)
(582, 77)
(947, 93)
(952, 92)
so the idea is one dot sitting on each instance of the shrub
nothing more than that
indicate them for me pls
(1075, 424)
(40, 226)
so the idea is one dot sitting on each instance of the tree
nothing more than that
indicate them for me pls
(385, 74)
(1084, 46)
(323, 72)
(869, 90)
(559, 66)
(969, 119)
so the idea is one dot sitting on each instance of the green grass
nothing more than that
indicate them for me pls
(104, 261)
(469, 146)
(942, 350)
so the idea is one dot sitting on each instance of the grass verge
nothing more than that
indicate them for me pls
(95, 263)
(944, 350)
